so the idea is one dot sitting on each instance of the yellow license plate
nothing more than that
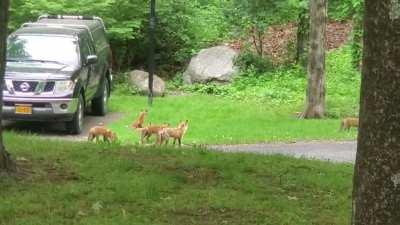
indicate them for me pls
(23, 109)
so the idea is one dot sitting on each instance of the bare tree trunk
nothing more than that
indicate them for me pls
(315, 105)
(255, 37)
(303, 34)
(6, 164)
(260, 35)
(376, 193)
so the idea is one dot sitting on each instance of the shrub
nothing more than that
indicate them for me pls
(344, 9)
(248, 60)
(287, 85)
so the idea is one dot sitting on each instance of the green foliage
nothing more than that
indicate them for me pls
(184, 26)
(282, 85)
(303, 33)
(247, 60)
(256, 15)
(343, 84)
(286, 85)
(356, 42)
(121, 85)
(344, 9)
(187, 26)
(259, 14)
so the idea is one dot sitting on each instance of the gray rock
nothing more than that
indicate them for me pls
(140, 80)
(212, 64)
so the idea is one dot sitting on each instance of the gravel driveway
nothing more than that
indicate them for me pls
(344, 151)
(57, 130)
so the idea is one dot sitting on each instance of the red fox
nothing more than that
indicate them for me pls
(349, 122)
(138, 123)
(147, 132)
(101, 130)
(176, 133)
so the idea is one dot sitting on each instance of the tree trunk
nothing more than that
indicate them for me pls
(152, 47)
(315, 105)
(6, 164)
(255, 34)
(260, 35)
(303, 34)
(376, 193)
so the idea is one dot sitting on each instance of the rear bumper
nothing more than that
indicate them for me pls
(43, 109)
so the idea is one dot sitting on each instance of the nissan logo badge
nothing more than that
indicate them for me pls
(24, 86)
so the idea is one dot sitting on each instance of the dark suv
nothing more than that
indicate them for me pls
(55, 68)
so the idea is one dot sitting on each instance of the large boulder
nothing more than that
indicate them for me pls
(212, 64)
(140, 80)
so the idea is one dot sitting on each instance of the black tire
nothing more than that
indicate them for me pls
(76, 125)
(99, 104)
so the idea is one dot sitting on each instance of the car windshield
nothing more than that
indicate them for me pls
(44, 49)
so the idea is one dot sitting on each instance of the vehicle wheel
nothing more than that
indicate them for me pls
(75, 126)
(99, 104)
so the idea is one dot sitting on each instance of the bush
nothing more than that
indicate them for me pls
(344, 9)
(121, 85)
(248, 60)
(287, 86)
(343, 84)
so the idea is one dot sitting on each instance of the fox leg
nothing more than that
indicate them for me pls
(106, 139)
(159, 139)
(142, 138)
(341, 127)
(90, 137)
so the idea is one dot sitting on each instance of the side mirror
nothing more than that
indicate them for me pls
(91, 59)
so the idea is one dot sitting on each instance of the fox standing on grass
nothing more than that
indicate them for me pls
(147, 132)
(100, 130)
(349, 122)
(138, 123)
(176, 133)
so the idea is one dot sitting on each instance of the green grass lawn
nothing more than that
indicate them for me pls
(217, 120)
(83, 183)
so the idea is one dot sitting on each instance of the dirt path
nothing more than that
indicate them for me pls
(57, 130)
(322, 150)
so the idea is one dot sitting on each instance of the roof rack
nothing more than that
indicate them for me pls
(73, 18)
(64, 26)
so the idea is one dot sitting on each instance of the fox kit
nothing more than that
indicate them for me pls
(138, 123)
(349, 122)
(147, 132)
(176, 133)
(101, 130)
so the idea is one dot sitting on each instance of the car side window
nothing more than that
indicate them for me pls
(85, 51)
(101, 41)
